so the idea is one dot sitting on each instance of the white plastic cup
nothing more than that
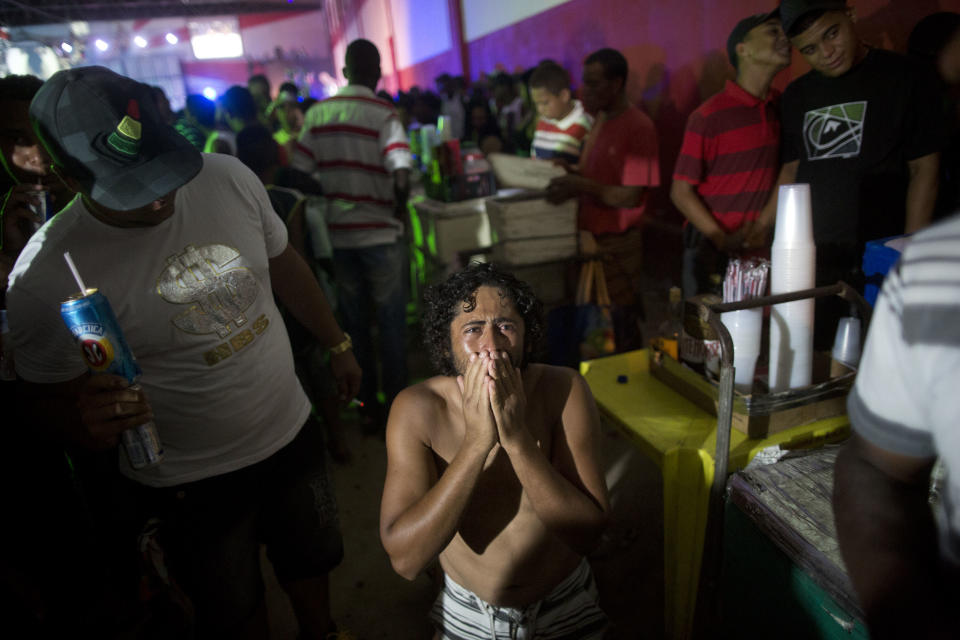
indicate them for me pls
(792, 268)
(791, 345)
(744, 327)
(846, 344)
(794, 215)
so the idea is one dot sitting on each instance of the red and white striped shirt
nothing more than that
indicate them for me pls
(562, 138)
(352, 143)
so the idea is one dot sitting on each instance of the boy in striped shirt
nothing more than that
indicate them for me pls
(562, 124)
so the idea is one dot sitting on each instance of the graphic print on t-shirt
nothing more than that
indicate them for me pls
(217, 284)
(835, 131)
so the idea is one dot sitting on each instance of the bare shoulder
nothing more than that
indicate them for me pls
(418, 408)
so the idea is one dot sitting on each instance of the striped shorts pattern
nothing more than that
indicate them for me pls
(569, 612)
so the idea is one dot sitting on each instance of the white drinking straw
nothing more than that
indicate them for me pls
(76, 274)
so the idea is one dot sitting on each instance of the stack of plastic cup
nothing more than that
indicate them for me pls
(792, 268)
(744, 327)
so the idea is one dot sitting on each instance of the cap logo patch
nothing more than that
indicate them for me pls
(126, 138)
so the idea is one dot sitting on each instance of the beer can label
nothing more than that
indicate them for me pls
(94, 326)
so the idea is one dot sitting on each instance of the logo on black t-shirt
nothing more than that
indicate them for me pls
(834, 132)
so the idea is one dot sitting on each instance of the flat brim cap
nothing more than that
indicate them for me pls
(793, 10)
(744, 27)
(75, 112)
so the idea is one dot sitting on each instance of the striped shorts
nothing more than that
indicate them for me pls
(570, 610)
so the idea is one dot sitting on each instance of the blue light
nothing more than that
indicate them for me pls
(209, 93)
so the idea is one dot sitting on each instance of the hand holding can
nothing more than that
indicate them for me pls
(110, 406)
(116, 403)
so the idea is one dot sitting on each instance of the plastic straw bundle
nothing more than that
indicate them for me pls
(746, 278)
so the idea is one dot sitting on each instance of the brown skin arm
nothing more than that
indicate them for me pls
(568, 490)
(759, 233)
(298, 290)
(686, 199)
(89, 412)
(563, 188)
(922, 191)
(888, 541)
(419, 513)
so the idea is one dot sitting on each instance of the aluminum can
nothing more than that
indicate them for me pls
(94, 326)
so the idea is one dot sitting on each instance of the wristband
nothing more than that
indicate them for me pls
(343, 346)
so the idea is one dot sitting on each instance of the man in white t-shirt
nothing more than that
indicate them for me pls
(189, 252)
(904, 556)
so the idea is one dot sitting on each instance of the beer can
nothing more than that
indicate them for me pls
(93, 324)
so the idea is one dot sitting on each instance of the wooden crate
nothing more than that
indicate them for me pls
(528, 215)
(535, 250)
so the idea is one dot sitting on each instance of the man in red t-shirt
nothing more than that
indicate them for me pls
(729, 161)
(618, 166)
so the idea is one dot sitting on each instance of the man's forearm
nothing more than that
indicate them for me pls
(567, 511)
(298, 290)
(922, 192)
(691, 206)
(418, 536)
(889, 544)
(617, 196)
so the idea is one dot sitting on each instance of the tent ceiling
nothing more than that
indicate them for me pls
(30, 12)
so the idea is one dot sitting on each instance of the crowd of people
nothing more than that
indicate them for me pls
(254, 250)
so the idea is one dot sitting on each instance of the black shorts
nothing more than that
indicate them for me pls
(212, 530)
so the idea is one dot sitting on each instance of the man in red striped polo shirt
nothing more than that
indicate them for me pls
(729, 161)
(356, 147)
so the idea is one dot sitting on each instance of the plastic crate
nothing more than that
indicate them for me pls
(878, 258)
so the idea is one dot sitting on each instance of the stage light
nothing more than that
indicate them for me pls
(172, 39)
(66, 47)
(102, 45)
(209, 93)
(140, 41)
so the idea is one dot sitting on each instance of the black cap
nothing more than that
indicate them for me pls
(792, 10)
(744, 27)
(107, 126)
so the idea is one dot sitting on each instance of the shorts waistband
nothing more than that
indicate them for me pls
(573, 583)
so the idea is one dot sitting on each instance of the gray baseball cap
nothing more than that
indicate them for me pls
(106, 129)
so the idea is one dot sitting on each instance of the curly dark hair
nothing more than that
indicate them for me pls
(445, 300)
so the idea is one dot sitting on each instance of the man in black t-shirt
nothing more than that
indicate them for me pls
(863, 128)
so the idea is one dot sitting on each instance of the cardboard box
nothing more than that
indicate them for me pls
(760, 415)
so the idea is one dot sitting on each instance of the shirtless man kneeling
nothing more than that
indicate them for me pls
(494, 467)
